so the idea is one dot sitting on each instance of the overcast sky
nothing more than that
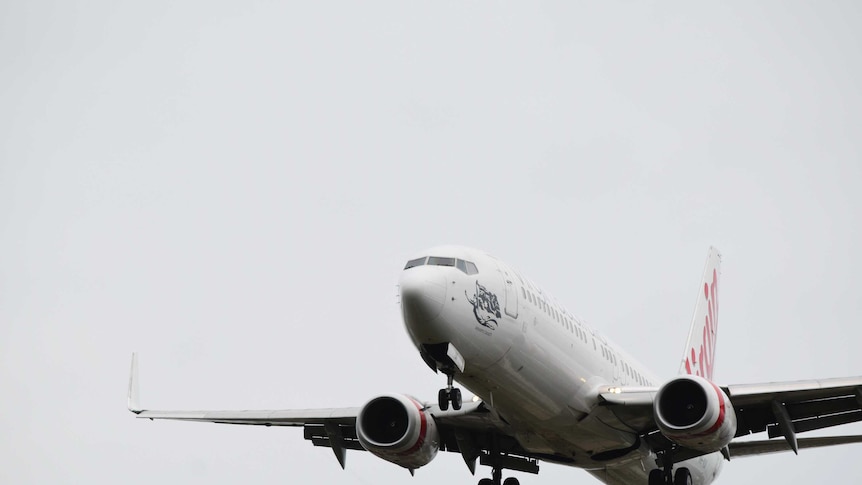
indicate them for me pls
(232, 188)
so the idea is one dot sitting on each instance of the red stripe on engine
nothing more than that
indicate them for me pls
(721, 412)
(423, 430)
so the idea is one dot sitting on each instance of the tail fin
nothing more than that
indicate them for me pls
(699, 356)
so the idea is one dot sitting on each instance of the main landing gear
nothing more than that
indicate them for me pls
(451, 395)
(667, 477)
(496, 477)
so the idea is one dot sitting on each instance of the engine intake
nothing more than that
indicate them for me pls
(693, 412)
(396, 428)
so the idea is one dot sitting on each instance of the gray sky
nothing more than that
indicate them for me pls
(231, 189)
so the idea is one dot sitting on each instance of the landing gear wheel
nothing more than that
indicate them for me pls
(682, 477)
(486, 481)
(656, 477)
(455, 396)
(511, 481)
(450, 395)
(443, 399)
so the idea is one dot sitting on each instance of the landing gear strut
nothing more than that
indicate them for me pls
(449, 394)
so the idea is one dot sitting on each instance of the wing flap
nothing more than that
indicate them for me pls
(822, 407)
(794, 391)
(740, 449)
(820, 422)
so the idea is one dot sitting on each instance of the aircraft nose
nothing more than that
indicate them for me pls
(423, 294)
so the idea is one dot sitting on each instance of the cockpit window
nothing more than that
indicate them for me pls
(437, 261)
(415, 262)
(464, 266)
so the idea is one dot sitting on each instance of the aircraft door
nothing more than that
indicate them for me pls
(511, 292)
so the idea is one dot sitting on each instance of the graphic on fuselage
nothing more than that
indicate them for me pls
(486, 307)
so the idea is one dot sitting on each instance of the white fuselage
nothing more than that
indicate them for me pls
(539, 366)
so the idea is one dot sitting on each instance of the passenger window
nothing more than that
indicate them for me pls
(523, 293)
(415, 262)
(471, 268)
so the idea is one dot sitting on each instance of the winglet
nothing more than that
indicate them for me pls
(134, 402)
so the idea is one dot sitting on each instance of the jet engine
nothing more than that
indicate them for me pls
(397, 428)
(693, 412)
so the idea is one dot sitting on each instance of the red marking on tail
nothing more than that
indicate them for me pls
(702, 359)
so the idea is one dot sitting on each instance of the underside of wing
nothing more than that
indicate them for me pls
(788, 408)
(395, 427)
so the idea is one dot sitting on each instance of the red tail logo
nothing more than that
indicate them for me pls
(700, 358)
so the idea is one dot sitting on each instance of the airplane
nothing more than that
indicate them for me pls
(549, 387)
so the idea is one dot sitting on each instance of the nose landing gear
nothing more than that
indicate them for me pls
(449, 394)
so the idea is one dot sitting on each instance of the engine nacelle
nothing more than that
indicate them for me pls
(397, 429)
(693, 412)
